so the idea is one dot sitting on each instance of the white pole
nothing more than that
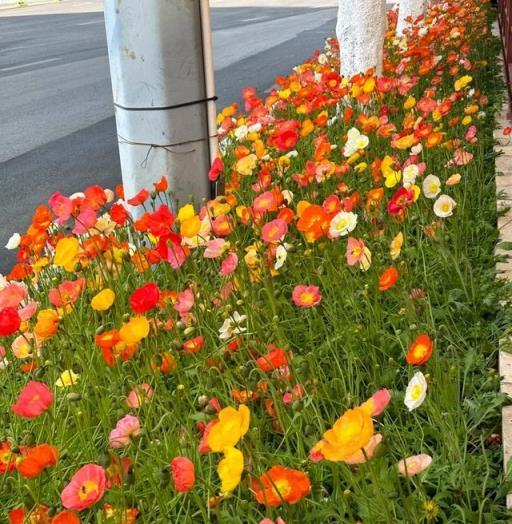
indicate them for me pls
(360, 30)
(406, 9)
(162, 81)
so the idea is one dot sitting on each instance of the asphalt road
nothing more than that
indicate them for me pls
(57, 130)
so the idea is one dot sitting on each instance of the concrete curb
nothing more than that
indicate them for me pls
(504, 269)
(10, 4)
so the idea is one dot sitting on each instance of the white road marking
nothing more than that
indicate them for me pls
(258, 18)
(21, 66)
(93, 22)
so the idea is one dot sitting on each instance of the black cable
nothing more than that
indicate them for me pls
(167, 108)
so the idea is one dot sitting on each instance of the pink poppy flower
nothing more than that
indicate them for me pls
(306, 296)
(274, 231)
(185, 301)
(183, 474)
(414, 465)
(355, 250)
(215, 248)
(266, 202)
(126, 428)
(85, 220)
(34, 399)
(61, 206)
(378, 402)
(67, 292)
(229, 264)
(27, 312)
(85, 488)
(22, 346)
(369, 450)
(279, 520)
(13, 295)
(139, 395)
(175, 255)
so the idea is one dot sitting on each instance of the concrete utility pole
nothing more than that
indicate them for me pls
(408, 8)
(360, 30)
(164, 94)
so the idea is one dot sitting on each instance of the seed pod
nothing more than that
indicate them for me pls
(73, 397)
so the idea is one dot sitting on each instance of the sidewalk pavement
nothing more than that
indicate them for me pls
(47, 7)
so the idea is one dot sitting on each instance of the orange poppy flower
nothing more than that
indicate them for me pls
(280, 484)
(313, 222)
(388, 278)
(420, 351)
(35, 460)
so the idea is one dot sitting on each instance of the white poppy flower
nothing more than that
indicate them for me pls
(14, 241)
(416, 391)
(443, 206)
(431, 186)
(232, 326)
(342, 223)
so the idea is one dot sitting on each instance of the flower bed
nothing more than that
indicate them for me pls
(318, 345)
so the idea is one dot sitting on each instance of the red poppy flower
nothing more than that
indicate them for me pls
(139, 198)
(9, 321)
(162, 185)
(193, 345)
(66, 517)
(215, 170)
(388, 278)
(272, 360)
(119, 214)
(183, 474)
(145, 298)
(7, 458)
(420, 351)
(280, 484)
(34, 399)
(35, 460)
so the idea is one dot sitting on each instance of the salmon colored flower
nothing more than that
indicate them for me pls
(13, 295)
(411, 466)
(363, 455)
(183, 474)
(86, 487)
(230, 469)
(139, 395)
(281, 485)
(420, 351)
(229, 264)
(306, 296)
(274, 231)
(388, 278)
(34, 460)
(133, 331)
(145, 298)
(230, 426)
(34, 399)
(377, 403)
(358, 253)
(126, 428)
(67, 292)
(103, 300)
(10, 321)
